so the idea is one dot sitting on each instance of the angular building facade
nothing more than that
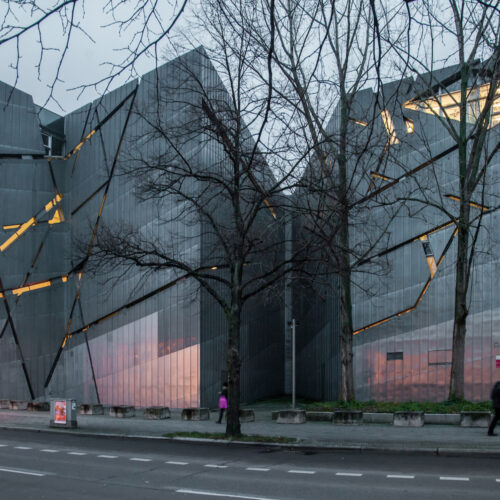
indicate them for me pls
(404, 327)
(126, 336)
(403, 290)
(122, 336)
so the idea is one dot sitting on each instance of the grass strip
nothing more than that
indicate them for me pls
(391, 407)
(454, 406)
(243, 437)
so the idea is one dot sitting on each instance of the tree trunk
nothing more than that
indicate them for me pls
(461, 311)
(346, 354)
(233, 427)
(462, 265)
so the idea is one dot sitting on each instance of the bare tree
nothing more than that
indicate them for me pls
(463, 99)
(143, 25)
(327, 52)
(214, 182)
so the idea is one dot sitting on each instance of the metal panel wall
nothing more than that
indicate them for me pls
(409, 357)
(19, 123)
(147, 354)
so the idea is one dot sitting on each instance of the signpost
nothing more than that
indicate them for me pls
(293, 324)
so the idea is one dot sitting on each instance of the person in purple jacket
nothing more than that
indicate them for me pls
(495, 399)
(222, 402)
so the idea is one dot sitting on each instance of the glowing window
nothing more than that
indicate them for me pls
(389, 126)
(448, 105)
(358, 122)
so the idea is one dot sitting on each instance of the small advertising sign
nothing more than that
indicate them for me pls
(498, 361)
(60, 412)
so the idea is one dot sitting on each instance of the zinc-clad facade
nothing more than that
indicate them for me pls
(145, 340)
(407, 356)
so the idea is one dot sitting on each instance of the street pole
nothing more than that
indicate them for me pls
(293, 363)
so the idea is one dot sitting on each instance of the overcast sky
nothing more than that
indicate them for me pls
(84, 60)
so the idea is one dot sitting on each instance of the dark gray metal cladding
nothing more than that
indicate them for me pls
(152, 352)
(19, 123)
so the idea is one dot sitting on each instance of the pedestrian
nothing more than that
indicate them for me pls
(222, 402)
(495, 399)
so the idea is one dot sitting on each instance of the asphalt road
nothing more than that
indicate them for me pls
(54, 466)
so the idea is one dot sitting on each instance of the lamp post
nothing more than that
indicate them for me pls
(293, 363)
(293, 324)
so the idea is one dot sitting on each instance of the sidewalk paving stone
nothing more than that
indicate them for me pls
(436, 439)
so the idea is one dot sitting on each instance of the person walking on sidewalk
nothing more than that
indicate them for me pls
(495, 398)
(222, 402)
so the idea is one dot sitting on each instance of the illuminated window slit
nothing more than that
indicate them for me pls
(424, 290)
(389, 126)
(447, 105)
(31, 287)
(380, 176)
(423, 165)
(22, 229)
(429, 255)
(31, 222)
(358, 122)
(471, 203)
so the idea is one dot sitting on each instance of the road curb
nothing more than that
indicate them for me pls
(302, 446)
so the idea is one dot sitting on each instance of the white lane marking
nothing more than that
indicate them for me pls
(176, 463)
(50, 451)
(258, 469)
(136, 459)
(301, 471)
(22, 447)
(27, 473)
(225, 495)
(399, 476)
(77, 453)
(215, 466)
(348, 474)
(453, 478)
(107, 456)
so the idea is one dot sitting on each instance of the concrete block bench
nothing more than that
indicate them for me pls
(378, 418)
(319, 416)
(87, 409)
(348, 417)
(195, 414)
(122, 411)
(4, 404)
(38, 406)
(475, 418)
(408, 418)
(291, 417)
(442, 418)
(18, 405)
(157, 413)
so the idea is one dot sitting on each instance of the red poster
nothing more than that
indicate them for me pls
(60, 412)
(498, 361)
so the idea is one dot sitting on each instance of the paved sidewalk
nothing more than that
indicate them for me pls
(431, 439)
